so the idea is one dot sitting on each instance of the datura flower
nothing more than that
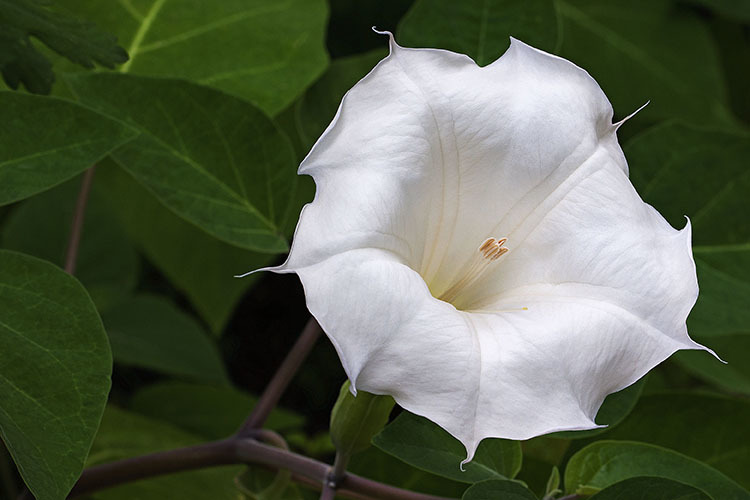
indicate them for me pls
(476, 250)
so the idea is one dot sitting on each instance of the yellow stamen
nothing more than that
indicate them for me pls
(489, 251)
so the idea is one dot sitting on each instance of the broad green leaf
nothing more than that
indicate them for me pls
(703, 173)
(79, 41)
(149, 331)
(200, 266)
(380, 466)
(420, 443)
(55, 365)
(643, 50)
(107, 263)
(605, 463)
(498, 489)
(213, 159)
(650, 488)
(356, 419)
(614, 409)
(479, 28)
(266, 52)
(124, 434)
(709, 428)
(36, 156)
(210, 411)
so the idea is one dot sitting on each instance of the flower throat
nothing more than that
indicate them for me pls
(487, 253)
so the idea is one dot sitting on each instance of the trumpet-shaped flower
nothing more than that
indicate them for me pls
(476, 250)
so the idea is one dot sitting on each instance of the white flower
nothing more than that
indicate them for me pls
(476, 250)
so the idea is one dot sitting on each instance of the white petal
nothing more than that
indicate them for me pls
(394, 338)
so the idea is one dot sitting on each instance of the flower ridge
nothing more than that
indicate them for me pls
(430, 167)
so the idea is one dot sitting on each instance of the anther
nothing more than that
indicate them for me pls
(489, 251)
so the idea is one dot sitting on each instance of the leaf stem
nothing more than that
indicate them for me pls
(234, 450)
(79, 215)
(281, 379)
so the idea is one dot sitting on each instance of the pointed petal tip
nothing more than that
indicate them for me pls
(391, 39)
(619, 124)
(282, 269)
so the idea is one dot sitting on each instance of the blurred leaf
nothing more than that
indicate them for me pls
(480, 29)
(79, 41)
(36, 156)
(56, 365)
(709, 428)
(123, 434)
(605, 463)
(643, 50)
(423, 444)
(148, 331)
(356, 419)
(650, 488)
(495, 489)
(350, 24)
(107, 263)
(733, 376)
(614, 409)
(703, 173)
(380, 466)
(209, 411)
(264, 52)
(211, 158)
(739, 10)
(200, 266)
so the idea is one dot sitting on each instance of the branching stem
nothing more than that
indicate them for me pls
(76, 228)
(235, 450)
(281, 379)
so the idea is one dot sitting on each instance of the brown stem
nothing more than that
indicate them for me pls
(234, 450)
(79, 215)
(282, 377)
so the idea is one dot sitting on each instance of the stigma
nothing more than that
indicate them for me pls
(487, 253)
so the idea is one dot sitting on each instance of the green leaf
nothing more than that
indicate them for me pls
(604, 463)
(123, 435)
(213, 159)
(209, 411)
(264, 52)
(55, 372)
(479, 28)
(709, 428)
(423, 444)
(198, 265)
(107, 263)
(380, 466)
(732, 9)
(703, 173)
(614, 409)
(645, 50)
(495, 489)
(150, 332)
(356, 419)
(36, 156)
(650, 488)
(79, 41)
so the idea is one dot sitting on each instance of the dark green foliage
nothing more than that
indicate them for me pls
(79, 41)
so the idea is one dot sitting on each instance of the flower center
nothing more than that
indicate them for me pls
(487, 253)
